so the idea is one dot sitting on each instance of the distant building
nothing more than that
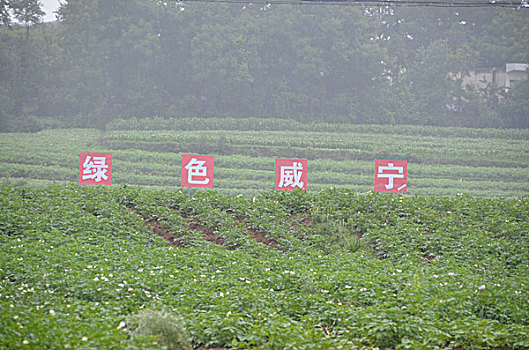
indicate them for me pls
(503, 77)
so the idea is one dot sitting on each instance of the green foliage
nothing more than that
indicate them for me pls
(84, 267)
(515, 107)
(442, 161)
(383, 65)
(167, 328)
(26, 12)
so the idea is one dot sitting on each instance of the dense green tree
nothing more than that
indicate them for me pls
(515, 106)
(5, 15)
(8, 77)
(504, 39)
(19, 61)
(360, 64)
(108, 50)
(27, 13)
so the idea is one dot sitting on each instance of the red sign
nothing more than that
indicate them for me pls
(291, 174)
(197, 170)
(95, 169)
(391, 175)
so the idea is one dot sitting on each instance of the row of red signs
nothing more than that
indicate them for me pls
(197, 171)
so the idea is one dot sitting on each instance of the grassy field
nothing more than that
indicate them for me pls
(441, 161)
(122, 267)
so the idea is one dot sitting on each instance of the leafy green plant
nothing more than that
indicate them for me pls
(168, 329)
(421, 272)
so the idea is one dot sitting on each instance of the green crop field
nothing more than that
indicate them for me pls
(144, 264)
(147, 152)
(122, 267)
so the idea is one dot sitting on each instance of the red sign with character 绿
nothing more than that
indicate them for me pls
(95, 168)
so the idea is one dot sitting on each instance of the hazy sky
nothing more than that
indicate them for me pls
(49, 6)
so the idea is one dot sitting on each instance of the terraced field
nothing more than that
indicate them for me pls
(147, 152)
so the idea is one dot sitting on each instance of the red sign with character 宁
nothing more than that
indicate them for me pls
(290, 174)
(95, 168)
(391, 176)
(197, 170)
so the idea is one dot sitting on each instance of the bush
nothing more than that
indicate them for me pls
(21, 124)
(168, 327)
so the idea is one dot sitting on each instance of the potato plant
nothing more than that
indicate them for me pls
(92, 267)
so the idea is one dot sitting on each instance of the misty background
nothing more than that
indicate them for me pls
(364, 64)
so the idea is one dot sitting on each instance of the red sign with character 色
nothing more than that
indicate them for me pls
(197, 170)
(95, 168)
(391, 176)
(290, 174)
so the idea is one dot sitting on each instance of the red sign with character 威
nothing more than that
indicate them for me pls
(290, 174)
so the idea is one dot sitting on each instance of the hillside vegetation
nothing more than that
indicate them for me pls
(374, 62)
(111, 267)
(147, 152)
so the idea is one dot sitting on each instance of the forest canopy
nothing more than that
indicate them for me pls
(104, 60)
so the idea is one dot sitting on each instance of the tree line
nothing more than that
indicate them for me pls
(104, 60)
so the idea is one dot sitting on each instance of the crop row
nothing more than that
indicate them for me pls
(249, 189)
(367, 142)
(485, 154)
(169, 176)
(144, 160)
(510, 161)
(248, 184)
(54, 155)
(169, 163)
(262, 124)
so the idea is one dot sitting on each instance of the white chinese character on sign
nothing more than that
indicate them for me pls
(194, 168)
(291, 175)
(391, 176)
(95, 168)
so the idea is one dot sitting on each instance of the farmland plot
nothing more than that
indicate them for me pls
(79, 267)
(442, 161)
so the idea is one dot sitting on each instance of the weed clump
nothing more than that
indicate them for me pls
(168, 328)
